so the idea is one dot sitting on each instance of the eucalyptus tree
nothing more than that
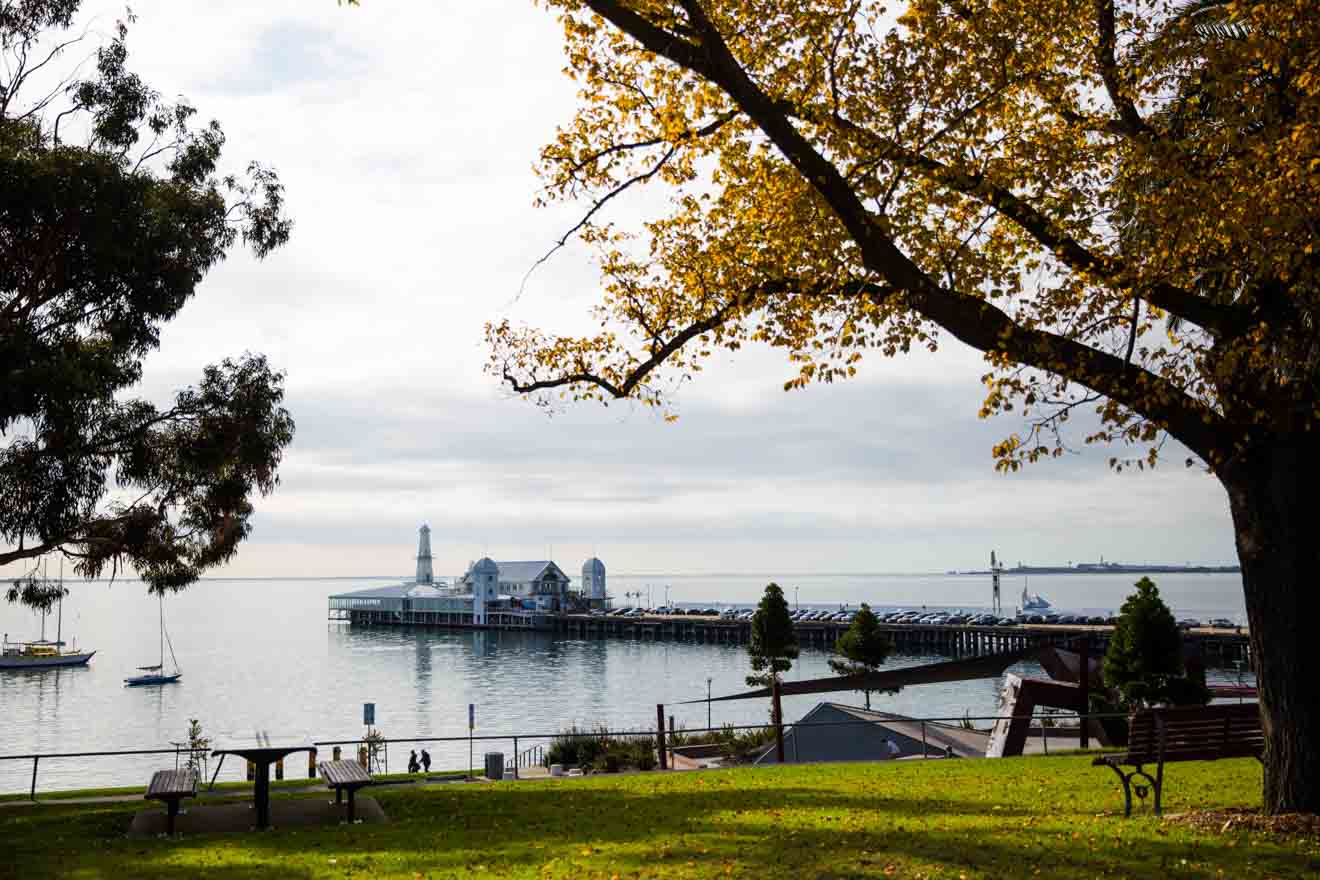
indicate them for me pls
(113, 209)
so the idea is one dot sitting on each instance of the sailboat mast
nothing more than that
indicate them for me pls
(162, 631)
(59, 621)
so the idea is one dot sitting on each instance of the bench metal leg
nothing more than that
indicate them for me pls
(171, 810)
(352, 792)
(1127, 790)
(1126, 779)
(339, 795)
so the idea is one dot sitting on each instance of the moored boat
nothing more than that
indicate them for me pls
(156, 674)
(40, 655)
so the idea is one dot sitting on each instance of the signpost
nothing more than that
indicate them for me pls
(472, 725)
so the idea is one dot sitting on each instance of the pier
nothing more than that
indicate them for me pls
(1219, 647)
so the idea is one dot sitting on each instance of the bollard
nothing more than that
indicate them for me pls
(336, 753)
(251, 771)
(311, 764)
(279, 768)
(362, 756)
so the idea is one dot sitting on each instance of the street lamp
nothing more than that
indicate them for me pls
(666, 595)
(708, 725)
(797, 606)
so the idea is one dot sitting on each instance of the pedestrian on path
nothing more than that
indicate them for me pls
(426, 761)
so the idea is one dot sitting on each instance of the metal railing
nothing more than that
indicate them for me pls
(536, 753)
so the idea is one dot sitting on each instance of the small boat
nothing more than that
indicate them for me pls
(1033, 601)
(156, 674)
(43, 654)
(40, 655)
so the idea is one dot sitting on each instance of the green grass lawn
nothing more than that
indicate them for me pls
(1020, 817)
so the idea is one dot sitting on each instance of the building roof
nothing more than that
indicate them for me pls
(485, 565)
(593, 566)
(838, 740)
(406, 590)
(966, 743)
(530, 570)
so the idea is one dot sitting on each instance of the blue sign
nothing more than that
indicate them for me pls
(368, 714)
(472, 716)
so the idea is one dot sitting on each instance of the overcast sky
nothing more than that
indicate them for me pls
(405, 135)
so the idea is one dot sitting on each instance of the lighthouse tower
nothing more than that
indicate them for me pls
(424, 575)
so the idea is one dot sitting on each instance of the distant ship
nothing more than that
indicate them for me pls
(1033, 601)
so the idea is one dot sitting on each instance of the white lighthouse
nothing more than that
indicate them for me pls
(424, 574)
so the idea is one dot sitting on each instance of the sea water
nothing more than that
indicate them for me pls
(261, 655)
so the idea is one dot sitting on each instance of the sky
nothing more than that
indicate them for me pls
(405, 135)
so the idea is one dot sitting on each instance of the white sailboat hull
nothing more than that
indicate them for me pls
(20, 662)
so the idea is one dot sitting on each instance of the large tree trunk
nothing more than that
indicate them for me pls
(1272, 493)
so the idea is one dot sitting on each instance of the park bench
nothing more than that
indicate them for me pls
(171, 786)
(1166, 736)
(344, 776)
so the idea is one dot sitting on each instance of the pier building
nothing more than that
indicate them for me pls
(520, 594)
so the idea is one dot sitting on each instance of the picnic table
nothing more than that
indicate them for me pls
(262, 749)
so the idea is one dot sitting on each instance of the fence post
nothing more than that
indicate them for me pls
(778, 711)
(311, 763)
(516, 757)
(33, 794)
(1084, 678)
(660, 740)
(924, 756)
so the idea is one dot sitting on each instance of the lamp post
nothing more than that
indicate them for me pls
(666, 595)
(797, 606)
(708, 725)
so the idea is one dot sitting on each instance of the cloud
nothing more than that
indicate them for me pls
(405, 135)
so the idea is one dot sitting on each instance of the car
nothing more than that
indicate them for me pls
(1188, 623)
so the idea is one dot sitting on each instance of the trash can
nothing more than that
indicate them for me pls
(494, 765)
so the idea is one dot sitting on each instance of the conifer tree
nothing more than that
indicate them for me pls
(1144, 663)
(862, 649)
(773, 645)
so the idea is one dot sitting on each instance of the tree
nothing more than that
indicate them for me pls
(1116, 202)
(773, 644)
(1144, 662)
(112, 213)
(862, 649)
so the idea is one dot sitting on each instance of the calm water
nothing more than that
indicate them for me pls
(260, 654)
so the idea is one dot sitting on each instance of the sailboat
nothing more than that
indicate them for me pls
(42, 654)
(157, 674)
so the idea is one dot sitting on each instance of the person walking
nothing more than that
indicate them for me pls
(891, 747)
(413, 766)
(426, 761)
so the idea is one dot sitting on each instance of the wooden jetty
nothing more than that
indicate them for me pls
(1219, 647)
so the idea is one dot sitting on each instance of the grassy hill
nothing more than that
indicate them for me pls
(1026, 817)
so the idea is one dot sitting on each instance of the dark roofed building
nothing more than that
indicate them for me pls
(856, 734)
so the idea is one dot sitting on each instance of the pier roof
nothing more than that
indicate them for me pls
(526, 570)
(405, 590)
